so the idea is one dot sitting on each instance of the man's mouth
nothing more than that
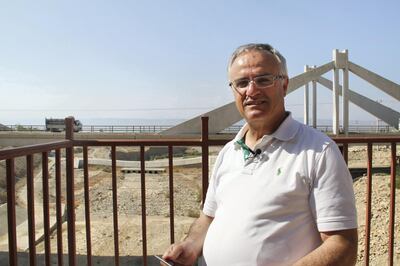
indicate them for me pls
(254, 102)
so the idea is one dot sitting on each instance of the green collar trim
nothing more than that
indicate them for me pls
(247, 152)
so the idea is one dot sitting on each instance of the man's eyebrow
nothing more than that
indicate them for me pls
(243, 78)
(265, 74)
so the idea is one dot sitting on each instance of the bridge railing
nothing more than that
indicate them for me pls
(95, 128)
(67, 147)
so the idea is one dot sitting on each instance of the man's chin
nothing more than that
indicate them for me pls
(255, 115)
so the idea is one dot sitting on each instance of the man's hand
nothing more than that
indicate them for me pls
(186, 252)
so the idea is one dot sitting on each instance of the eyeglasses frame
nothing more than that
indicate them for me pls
(274, 78)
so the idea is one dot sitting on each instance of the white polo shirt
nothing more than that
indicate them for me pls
(270, 208)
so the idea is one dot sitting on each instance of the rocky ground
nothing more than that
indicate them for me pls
(187, 197)
(380, 204)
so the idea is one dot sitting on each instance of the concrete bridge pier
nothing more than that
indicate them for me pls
(306, 100)
(314, 102)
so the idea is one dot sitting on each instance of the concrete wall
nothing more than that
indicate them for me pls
(17, 139)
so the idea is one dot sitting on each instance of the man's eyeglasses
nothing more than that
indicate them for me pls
(262, 82)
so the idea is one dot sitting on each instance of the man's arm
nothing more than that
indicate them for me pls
(186, 252)
(338, 248)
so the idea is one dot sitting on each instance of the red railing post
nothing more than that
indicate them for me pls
(204, 156)
(59, 215)
(143, 200)
(46, 213)
(368, 205)
(69, 134)
(31, 209)
(392, 200)
(12, 231)
(346, 152)
(171, 193)
(87, 205)
(115, 204)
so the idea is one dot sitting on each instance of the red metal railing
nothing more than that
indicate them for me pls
(68, 145)
(345, 141)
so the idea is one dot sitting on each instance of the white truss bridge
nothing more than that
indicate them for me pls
(227, 115)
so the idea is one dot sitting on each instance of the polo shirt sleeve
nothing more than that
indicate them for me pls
(332, 197)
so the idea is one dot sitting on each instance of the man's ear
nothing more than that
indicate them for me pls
(285, 85)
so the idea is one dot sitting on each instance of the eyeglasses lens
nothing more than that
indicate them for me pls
(260, 82)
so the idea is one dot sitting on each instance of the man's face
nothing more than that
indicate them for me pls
(259, 105)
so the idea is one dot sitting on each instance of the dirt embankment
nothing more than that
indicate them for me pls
(20, 174)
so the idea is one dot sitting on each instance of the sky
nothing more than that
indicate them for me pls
(104, 60)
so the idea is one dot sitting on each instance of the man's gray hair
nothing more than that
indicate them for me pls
(259, 47)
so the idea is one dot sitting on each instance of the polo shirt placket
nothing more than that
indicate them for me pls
(252, 160)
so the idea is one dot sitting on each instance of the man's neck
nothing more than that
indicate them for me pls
(257, 130)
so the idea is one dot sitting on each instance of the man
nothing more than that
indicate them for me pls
(280, 192)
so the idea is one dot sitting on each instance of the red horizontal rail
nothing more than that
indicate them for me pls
(9, 153)
(355, 140)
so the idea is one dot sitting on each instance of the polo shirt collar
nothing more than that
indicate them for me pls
(285, 132)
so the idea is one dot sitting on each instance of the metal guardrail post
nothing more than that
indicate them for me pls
(69, 135)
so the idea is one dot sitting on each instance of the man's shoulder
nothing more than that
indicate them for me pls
(312, 137)
(229, 146)
(296, 133)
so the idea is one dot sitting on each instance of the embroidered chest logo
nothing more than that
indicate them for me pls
(278, 172)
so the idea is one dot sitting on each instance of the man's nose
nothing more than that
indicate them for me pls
(252, 89)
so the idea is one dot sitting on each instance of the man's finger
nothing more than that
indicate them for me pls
(173, 252)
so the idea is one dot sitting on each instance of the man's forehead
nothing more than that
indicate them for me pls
(255, 58)
(256, 55)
